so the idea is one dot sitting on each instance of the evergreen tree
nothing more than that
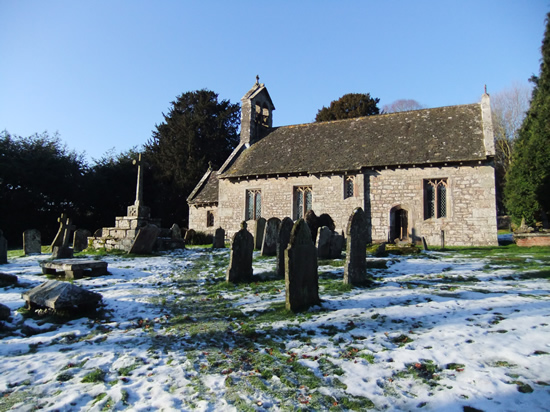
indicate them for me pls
(527, 189)
(349, 106)
(197, 130)
(39, 179)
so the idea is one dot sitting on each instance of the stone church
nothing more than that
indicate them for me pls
(423, 173)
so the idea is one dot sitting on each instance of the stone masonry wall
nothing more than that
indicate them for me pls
(277, 198)
(197, 218)
(471, 209)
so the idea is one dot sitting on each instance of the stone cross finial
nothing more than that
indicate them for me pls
(139, 187)
(257, 79)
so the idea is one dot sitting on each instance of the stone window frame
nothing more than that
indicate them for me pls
(256, 212)
(300, 196)
(349, 186)
(209, 218)
(436, 198)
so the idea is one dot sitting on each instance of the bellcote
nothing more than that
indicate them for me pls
(256, 113)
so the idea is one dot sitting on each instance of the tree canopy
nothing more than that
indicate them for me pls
(527, 189)
(402, 105)
(349, 106)
(198, 129)
(39, 179)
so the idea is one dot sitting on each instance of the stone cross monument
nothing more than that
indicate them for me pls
(138, 209)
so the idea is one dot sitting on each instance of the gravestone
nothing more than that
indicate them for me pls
(219, 239)
(175, 232)
(271, 233)
(329, 244)
(32, 242)
(301, 277)
(283, 237)
(240, 263)
(3, 249)
(189, 235)
(145, 240)
(58, 295)
(80, 241)
(313, 223)
(425, 244)
(259, 233)
(98, 232)
(355, 269)
(60, 245)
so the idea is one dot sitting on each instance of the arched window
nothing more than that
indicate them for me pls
(349, 187)
(303, 201)
(435, 198)
(253, 204)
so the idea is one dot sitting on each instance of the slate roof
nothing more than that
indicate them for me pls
(439, 135)
(206, 190)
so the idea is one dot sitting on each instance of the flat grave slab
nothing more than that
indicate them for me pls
(74, 268)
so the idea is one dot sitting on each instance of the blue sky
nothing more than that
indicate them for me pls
(102, 72)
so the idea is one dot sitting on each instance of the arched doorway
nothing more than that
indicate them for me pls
(399, 224)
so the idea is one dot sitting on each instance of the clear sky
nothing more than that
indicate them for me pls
(102, 72)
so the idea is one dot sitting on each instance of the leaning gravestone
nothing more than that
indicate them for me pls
(219, 239)
(301, 277)
(240, 263)
(32, 242)
(259, 233)
(60, 245)
(3, 249)
(58, 295)
(80, 240)
(329, 244)
(355, 269)
(269, 245)
(145, 240)
(283, 237)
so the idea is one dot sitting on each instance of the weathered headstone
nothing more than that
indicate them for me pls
(32, 242)
(7, 279)
(60, 245)
(189, 235)
(3, 249)
(80, 240)
(283, 238)
(175, 232)
(219, 239)
(98, 232)
(329, 244)
(271, 233)
(259, 233)
(240, 263)
(313, 223)
(381, 250)
(145, 240)
(355, 269)
(425, 244)
(58, 295)
(301, 277)
(5, 312)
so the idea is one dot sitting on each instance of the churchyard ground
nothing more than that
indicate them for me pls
(456, 330)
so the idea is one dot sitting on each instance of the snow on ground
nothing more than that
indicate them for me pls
(438, 331)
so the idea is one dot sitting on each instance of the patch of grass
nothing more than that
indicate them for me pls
(64, 377)
(95, 376)
(401, 340)
(127, 370)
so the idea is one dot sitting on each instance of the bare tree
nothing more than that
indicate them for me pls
(402, 105)
(509, 107)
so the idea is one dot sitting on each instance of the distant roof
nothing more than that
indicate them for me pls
(206, 190)
(439, 135)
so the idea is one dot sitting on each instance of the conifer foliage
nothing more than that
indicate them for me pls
(349, 106)
(199, 129)
(527, 187)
